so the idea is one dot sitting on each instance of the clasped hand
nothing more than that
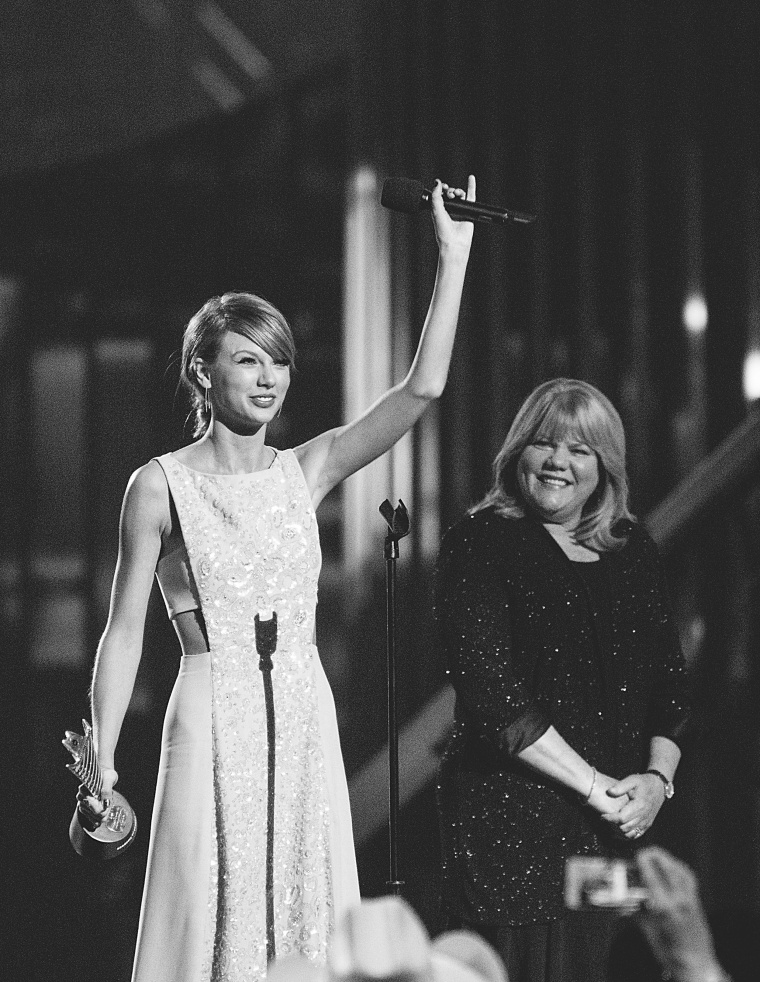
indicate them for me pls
(631, 804)
(94, 810)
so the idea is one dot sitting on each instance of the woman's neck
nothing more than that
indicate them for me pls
(221, 451)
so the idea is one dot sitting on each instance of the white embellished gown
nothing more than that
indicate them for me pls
(251, 850)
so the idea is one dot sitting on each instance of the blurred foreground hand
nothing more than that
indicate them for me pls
(673, 920)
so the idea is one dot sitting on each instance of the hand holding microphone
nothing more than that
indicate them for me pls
(449, 233)
(402, 194)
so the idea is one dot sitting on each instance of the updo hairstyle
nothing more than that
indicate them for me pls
(243, 313)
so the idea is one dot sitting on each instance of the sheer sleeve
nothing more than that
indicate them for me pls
(473, 621)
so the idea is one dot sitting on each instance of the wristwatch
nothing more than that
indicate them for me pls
(669, 789)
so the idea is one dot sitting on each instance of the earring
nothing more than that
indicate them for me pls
(280, 409)
(206, 400)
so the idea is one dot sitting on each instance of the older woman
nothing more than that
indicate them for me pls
(561, 646)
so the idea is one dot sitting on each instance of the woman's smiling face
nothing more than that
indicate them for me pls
(556, 477)
(247, 385)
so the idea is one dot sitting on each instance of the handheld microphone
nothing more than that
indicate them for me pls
(402, 194)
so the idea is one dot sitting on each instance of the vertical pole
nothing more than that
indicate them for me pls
(398, 527)
(266, 645)
(391, 555)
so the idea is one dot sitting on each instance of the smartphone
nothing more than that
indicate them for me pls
(598, 882)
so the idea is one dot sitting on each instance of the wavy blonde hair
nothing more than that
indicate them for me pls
(557, 409)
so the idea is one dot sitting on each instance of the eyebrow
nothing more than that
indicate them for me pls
(247, 351)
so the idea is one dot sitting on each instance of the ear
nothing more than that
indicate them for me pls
(202, 375)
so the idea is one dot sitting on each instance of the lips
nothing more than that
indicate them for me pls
(552, 481)
(264, 402)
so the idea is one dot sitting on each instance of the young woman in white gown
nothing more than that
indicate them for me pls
(251, 852)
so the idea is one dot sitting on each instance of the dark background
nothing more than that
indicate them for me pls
(150, 159)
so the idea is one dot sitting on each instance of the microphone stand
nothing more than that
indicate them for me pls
(397, 520)
(266, 645)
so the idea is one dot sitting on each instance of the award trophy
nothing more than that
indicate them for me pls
(117, 830)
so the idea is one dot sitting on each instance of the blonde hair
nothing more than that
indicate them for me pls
(556, 409)
(243, 313)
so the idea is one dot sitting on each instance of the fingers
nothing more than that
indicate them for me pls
(612, 818)
(93, 806)
(450, 192)
(614, 809)
(633, 820)
(649, 865)
(600, 801)
(625, 786)
(632, 829)
(437, 200)
(634, 817)
(660, 869)
(452, 231)
(92, 811)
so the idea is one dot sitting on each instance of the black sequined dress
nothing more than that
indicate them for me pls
(532, 640)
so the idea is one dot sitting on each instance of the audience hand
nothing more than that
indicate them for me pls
(673, 920)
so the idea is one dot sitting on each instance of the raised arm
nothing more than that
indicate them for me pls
(145, 512)
(331, 457)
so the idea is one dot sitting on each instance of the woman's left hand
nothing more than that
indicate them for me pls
(448, 232)
(646, 795)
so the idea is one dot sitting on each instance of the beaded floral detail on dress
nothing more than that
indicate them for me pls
(253, 546)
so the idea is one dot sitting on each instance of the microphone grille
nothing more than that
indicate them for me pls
(402, 194)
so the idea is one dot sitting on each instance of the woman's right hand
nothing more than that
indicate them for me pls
(452, 234)
(600, 801)
(94, 810)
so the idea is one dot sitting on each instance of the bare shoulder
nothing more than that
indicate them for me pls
(146, 499)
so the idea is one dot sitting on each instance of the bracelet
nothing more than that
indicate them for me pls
(667, 785)
(591, 789)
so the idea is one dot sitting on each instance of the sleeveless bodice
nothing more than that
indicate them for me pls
(253, 547)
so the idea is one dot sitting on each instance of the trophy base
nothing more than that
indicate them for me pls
(110, 839)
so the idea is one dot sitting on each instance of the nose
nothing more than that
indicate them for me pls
(559, 456)
(266, 376)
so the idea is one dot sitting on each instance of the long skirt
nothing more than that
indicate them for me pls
(177, 931)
